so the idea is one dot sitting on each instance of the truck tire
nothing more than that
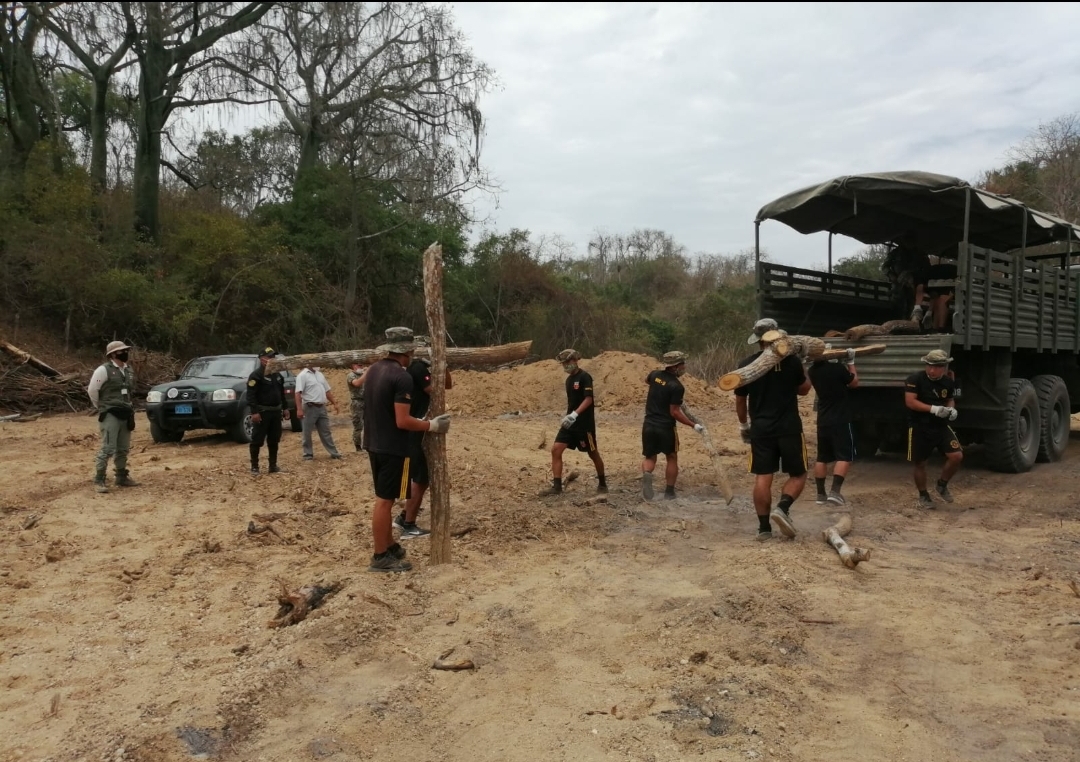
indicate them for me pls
(241, 430)
(1013, 448)
(1054, 410)
(161, 435)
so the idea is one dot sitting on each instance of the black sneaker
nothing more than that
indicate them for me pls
(387, 563)
(669, 494)
(764, 535)
(411, 531)
(822, 498)
(646, 485)
(335, 456)
(601, 489)
(254, 470)
(783, 521)
(926, 502)
(837, 499)
(274, 470)
(309, 457)
(943, 490)
(396, 551)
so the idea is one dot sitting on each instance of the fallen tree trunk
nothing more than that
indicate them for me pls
(28, 359)
(835, 534)
(294, 607)
(435, 444)
(501, 354)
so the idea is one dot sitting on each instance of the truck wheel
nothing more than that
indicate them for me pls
(1054, 413)
(161, 435)
(1013, 447)
(241, 431)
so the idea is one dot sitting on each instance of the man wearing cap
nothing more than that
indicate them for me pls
(578, 428)
(355, 381)
(420, 372)
(930, 396)
(312, 396)
(663, 409)
(266, 398)
(836, 442)
(774, 433)
(111, 388)
(387, 423)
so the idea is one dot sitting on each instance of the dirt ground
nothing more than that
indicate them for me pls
(136, 622)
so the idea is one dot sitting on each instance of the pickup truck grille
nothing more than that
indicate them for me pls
(185, 394)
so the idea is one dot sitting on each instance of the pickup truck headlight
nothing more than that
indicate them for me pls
(153, 396)
(223, 395)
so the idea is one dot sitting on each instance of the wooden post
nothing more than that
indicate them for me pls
(435, 444)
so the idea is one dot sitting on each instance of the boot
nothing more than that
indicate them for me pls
(99, 483)
(124, 480)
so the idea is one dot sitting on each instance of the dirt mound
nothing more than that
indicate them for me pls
(619, 379)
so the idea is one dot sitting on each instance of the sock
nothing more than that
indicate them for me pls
(669, 489)
(557, 482)
(837, 483)
(763, 524)
(785, 503)
(392, 548)
(820, 485)
(942, 484)
(603, 480)
(923, 493)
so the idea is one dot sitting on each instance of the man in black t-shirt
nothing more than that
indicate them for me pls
(836, 443)
(266, 398)
(420, 372)
(388, 399)
(774, 433)
(663, 408)
(577, 430)
(930, 397)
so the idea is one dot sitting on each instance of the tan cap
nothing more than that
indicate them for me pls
(115, 346)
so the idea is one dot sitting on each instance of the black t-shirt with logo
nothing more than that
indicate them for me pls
(932, 393)
(774, 398)
(421, 400)
(665, 390)
(265, 390)
(578, 387)
(830, 380)
(386, 383)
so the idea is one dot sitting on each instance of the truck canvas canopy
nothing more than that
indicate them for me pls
(924, 208)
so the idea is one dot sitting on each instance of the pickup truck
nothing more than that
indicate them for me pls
(210, 393)
(1014, 323)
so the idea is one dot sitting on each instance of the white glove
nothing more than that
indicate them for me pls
(699, 428)
(440, 424)
(569, 420)
(939, 410)
(953, 413)
(850, 359)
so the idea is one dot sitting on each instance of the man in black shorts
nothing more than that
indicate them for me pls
(663, 408)
(836, 444)
(930, 399)
(420, 372)
(774, 432)
(578, 428)
(387, 423)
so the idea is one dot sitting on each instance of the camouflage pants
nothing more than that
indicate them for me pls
(358, 423)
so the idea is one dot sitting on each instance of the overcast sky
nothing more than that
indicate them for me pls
(690, 117)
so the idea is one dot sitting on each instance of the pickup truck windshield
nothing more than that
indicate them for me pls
(219, 367)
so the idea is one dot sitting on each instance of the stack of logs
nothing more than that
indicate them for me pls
(778, 346)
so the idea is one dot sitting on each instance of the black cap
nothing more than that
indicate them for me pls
(268, 352)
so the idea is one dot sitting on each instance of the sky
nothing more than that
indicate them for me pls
(689, 117)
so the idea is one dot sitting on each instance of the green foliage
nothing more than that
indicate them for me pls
(864, 264)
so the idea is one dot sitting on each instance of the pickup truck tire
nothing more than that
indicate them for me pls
(161, 435)
(241, 431)
(1014, 447)
(1054, 412)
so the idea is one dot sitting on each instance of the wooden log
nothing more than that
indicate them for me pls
(500, 354)
(800, 346)
(294, 607)
(782, 345)
(714, 456)
(837, 354)
(435, 444)
(835, 534)
(747, 374)
(28, 359)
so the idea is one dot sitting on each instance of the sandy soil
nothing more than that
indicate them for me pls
(136, 624)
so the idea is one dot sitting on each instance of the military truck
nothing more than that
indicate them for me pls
(1014, 327)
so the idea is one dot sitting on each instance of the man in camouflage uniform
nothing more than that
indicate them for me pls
(112, 389)
(355, 380)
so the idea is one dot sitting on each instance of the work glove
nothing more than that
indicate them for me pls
(953, 413)
(699, 428)
(569, 420)
(440, 424)
(744, 432)
(850, 359)
(940, 411)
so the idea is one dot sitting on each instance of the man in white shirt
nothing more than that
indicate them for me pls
(111, 390)
(312, 396)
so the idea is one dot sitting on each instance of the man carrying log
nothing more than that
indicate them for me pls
(387, 424)
(774, 433)
(420, 372)
(577, 429)
(930, 399)
(111, 390)
(663, 409)
(836, 443)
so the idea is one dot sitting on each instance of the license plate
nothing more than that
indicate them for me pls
(182, 410)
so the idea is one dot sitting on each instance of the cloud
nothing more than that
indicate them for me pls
(690, 117)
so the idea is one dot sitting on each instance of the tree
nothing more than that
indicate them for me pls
(170, 40)
(866, 263)
(28, 107)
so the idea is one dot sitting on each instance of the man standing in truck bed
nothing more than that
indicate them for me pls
(930, 399)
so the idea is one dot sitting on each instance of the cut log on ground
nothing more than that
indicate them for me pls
(25, 357)
(296, 606)
(501, 354)
(714, 456)
(835, 534)
(435, 444)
